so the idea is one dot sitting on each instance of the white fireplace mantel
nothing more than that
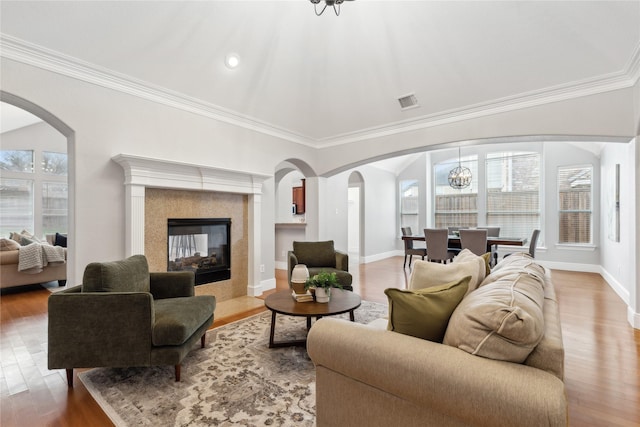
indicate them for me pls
(142, 172)
(159, 173)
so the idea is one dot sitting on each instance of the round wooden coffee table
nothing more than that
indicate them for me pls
(283, 303)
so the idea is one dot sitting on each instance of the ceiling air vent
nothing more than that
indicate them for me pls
(408, 101)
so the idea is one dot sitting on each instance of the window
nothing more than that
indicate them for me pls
(54, 163)
(410, 205)
(16, 205)
(513, 192)
(456, 207)
(33, 199)
(54, 207)
(16, 161)
(574, 202)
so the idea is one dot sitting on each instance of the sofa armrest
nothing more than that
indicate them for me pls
(342, 261)
(434, 377)
(173, 284)
(88, 329)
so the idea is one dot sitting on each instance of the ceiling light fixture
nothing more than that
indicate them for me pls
(232, 60)
(335, 3)
(460, 177)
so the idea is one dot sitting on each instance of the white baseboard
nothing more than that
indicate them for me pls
(281, 265)
(265, 285)
(616, 286)
(570, 266)
(268, 284)
(633, 318)
(381, 256)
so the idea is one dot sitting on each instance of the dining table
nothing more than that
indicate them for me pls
(454, 242)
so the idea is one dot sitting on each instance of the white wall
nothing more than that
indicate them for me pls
(267, 277)
(353, 220)
(380, 196)
(618, 259)
(39, 136)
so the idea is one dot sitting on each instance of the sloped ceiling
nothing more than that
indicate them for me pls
(320, 80)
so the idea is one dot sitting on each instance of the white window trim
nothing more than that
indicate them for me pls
(575, 245)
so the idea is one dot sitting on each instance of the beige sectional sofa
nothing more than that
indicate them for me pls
(369, 375)
(11, 276)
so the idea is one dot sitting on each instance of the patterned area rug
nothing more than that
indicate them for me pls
(236, 380)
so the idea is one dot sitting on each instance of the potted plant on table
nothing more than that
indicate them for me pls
(322, 283)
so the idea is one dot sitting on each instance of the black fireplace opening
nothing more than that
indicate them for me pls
(201, 245)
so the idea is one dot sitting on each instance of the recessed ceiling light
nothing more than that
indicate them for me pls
(232, 60)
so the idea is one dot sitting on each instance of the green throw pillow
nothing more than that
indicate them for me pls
(425, 313)
(487, 262)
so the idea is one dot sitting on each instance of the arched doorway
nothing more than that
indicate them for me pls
(69, 134)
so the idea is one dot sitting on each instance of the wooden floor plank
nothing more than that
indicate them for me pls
(601, 352)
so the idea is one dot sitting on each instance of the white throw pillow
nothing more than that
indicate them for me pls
(426, 273)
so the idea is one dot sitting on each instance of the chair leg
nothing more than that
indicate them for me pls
(410, 259)
(202, 340)
(177, 373)
(70, 378)
(405, 261)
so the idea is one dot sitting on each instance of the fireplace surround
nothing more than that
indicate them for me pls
(141, 173)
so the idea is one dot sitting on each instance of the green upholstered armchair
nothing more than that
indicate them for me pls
(321, 256)
(123, 316)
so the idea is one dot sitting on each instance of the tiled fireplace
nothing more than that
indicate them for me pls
(157, 190)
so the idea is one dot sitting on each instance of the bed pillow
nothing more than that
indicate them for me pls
(425, 313)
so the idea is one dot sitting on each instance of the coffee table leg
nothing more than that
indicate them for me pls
(308, 322)
(273, 328)
(352, 316)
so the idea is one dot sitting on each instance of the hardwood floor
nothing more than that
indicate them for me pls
(602, 363)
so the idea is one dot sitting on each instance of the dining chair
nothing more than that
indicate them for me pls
(491, 231)
(533, 242)
(454, 229)
(409, 249)
(437, 240)
(475, 240)
(455, 246)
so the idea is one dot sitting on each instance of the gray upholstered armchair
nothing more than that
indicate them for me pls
(321, 256)
(122, 316)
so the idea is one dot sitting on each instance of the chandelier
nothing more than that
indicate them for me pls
(335, 3)
(460, 176)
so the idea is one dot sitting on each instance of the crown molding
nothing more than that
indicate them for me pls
(47, 59)
(41, 57)
(633, 68)
(579, 89)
